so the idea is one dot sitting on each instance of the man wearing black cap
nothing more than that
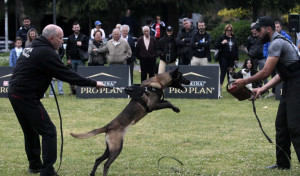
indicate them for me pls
(167, 50)
(283, 55)
(200, 44)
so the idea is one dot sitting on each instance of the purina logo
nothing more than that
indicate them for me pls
(196, 74)
(103, 74)
(5, 76)
(5, 83)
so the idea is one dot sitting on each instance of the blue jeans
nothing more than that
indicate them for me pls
(76, 63)
(59, 85)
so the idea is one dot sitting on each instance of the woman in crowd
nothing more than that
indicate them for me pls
(97, 50)
(167, 50)
(228, 47)
(249, 68)
(31, 35)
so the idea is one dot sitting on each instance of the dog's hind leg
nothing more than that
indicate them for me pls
(166, 104)
(99, 160)
(115, 145)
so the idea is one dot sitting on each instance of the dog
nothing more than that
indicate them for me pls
(232, 74)
(246, 74)
(144, 98)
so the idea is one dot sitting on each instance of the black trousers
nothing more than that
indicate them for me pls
(35, 121)
(147, 67)
(224, 64)
(131, 66)
(288, 122)
(184, 59)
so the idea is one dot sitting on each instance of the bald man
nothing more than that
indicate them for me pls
(31, 77)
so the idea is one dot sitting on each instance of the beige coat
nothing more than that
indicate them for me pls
(118, 54)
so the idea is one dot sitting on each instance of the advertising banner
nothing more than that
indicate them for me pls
(116, 77)
(204, 82)
(5, 74)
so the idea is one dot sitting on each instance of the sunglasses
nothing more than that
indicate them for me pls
(229, 30)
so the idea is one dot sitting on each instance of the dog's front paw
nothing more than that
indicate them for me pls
(176, 109)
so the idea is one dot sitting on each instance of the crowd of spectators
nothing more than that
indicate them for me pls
(191, 46)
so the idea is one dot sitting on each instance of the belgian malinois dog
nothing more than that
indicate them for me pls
(144, 98)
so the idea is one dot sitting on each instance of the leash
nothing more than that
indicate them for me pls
(61, 130)
(254, 110)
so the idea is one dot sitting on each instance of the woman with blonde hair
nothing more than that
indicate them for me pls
(31, 35)
(227, 45)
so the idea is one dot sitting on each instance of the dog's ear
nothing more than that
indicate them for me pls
(174, 72)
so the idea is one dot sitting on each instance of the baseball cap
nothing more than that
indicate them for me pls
(263, 21)
(169, 28)
(97, 23)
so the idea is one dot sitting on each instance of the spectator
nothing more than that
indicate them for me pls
(61, 53)
(75, 42)
(118, 26)
(31, 35)
(97, 50)
(228, 48)
(255, 51)
(28, 83)
(278, 29)
(22, 32)
(97, 27)
(130, 61)
(118, 50)
(159, 27)
(149, 23)
(131, 22)
(200, 44)
(146, 53)
(249, 65)
(15, 52)
(167, 50)
(183, 41)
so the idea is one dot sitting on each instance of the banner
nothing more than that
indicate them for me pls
(117, 77)
(204, 82)
(5, 74)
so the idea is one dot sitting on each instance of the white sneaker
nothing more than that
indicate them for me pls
(51, 95)
(271, 94)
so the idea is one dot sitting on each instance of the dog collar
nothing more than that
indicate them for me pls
(161, 85)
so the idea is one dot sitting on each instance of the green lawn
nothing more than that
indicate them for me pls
(211, 137)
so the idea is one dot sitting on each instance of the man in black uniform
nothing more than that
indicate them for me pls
(31, 77)
(283, 55)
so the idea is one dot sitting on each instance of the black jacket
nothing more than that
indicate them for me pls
(184, 46)
(167, 45)
(72, 51)
(35, 68)
(200, 44)
(23, 34)
(131, 43)
(255, 48)
(228, 51)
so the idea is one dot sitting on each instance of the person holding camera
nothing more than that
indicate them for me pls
(200, 44)
(167, 50)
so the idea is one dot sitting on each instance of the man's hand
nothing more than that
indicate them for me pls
(100, 85)
(79, 43)
(256, 93)
(240, 83)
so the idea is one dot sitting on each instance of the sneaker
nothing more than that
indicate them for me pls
(61, 93)
(271, 94)
(51, 95)
(34, 171)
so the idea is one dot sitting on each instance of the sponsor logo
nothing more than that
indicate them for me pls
(103, 74)
(196, 74)
(5, 76)
(5, 83)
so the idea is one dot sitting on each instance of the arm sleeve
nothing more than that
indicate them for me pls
(57, 69)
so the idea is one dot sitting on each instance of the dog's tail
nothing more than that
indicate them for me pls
(89, 134)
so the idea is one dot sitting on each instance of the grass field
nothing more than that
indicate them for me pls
(210, 137)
